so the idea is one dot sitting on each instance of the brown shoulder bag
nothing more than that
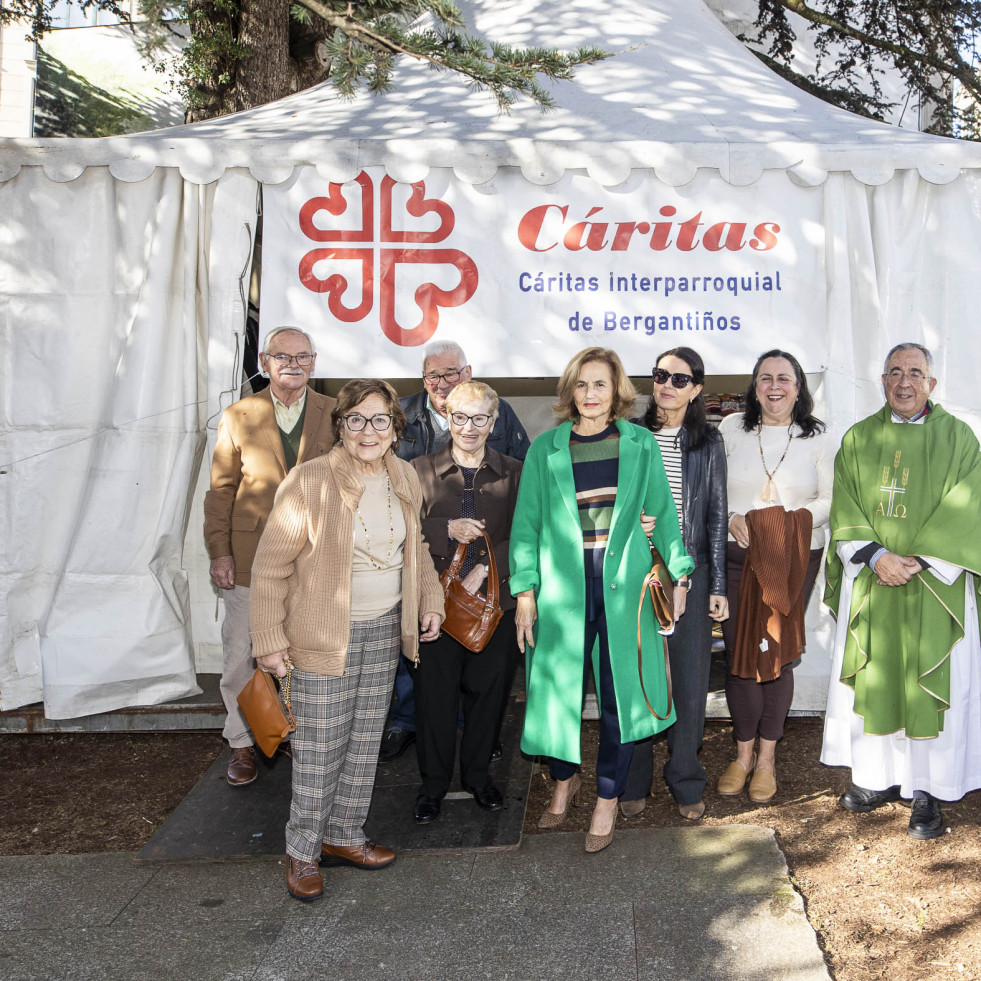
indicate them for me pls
(657, 584)
(471, 618)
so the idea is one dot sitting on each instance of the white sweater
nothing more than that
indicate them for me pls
(803, 480)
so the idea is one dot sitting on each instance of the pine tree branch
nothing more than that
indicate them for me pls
(953, 66)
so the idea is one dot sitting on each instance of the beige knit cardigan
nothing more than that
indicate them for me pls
(301, 577)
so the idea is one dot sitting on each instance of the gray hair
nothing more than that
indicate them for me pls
(437, 348)
(279, 330)
(909, 346)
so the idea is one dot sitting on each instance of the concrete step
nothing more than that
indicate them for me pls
(204, 711)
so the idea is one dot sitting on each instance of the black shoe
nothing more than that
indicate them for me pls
(427, 809)
(926, 820)
(394, 743)
(860, 800)
(497, 753)
(489, 798)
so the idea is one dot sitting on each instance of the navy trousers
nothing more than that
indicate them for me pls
(613, 757)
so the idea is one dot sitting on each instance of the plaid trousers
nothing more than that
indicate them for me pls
(339, 722)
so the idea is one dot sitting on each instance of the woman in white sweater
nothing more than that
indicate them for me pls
(779, 455)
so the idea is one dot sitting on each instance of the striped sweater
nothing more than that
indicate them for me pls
(595, 470)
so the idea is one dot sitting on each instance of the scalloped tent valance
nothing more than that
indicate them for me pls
(681, 94)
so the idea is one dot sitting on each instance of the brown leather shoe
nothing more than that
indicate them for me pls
(241, 767)
(303, 880)
(367, 855)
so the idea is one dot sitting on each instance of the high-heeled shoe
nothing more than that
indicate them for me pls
(596, 843)
(551, 819)
(692, 812)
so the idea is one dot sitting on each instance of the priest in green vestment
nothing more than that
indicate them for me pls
(904, 708)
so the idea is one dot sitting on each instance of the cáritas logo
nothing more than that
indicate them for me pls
(395, 248)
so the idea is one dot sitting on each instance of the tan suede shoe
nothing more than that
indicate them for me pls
(734, 779)
(762, 787)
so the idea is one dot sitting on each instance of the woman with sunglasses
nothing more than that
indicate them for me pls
(592, 490)
(467, 489)
(695, 464)
(779, 455)
(341, 581)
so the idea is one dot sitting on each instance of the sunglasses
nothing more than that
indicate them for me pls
(678, 378)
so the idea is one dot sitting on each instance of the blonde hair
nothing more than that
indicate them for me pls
(624, 393)
(472, 391)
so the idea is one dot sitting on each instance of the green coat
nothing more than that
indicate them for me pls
(547, 556)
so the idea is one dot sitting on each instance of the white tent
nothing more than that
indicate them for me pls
(124, 264)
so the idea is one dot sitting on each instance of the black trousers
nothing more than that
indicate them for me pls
(690, 657)
(448, 671)
(758, 708)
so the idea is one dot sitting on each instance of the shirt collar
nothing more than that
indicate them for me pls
(442, 421)
(445, 464)
(917, 418)
(298, 404)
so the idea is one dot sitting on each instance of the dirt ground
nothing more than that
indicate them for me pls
(883, 904)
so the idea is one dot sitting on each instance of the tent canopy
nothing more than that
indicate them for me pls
(680, 93)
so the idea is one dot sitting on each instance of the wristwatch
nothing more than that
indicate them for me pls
(684, 583)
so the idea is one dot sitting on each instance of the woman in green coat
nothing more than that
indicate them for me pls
(591, 492)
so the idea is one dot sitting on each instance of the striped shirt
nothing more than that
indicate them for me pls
(668, 442)
(595, 470)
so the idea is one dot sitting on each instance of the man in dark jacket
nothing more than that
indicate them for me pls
(444, 366)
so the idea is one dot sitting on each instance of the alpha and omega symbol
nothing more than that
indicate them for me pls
(894, 485)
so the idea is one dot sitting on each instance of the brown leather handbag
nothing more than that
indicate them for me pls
(270, 717)
(657, 584)
(471, 618)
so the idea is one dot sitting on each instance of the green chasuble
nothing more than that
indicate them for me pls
(916, 489)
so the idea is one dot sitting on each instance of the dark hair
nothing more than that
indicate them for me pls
(696, 425)
(356, 391)
(803, 411)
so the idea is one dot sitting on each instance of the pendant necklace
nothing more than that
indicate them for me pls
(378, 564)
(769, 495)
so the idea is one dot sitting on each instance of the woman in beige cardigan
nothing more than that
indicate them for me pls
(342, 581)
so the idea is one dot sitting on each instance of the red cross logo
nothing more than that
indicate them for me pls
(397, 247)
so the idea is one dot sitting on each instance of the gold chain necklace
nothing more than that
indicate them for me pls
(391, 530)
(769, 495)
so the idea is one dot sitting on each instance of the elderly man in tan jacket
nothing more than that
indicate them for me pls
(260, 439)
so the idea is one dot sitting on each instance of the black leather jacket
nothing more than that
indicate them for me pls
(705, 506)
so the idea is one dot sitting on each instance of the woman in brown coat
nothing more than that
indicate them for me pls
(467, 488)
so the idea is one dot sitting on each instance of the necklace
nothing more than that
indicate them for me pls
(769, 495)
(377, 563)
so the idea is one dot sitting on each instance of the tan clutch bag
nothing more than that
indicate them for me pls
(267, 710)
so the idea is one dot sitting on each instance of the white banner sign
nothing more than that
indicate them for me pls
(523, 276)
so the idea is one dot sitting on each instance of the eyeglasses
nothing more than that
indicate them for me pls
(285, 360)
(461, 419)
(915, 375)
(450, 377)
(381, 422)
(678, 378)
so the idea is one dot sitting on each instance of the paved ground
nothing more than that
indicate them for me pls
(710, 904)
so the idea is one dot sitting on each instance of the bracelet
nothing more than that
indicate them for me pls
(731, 513)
